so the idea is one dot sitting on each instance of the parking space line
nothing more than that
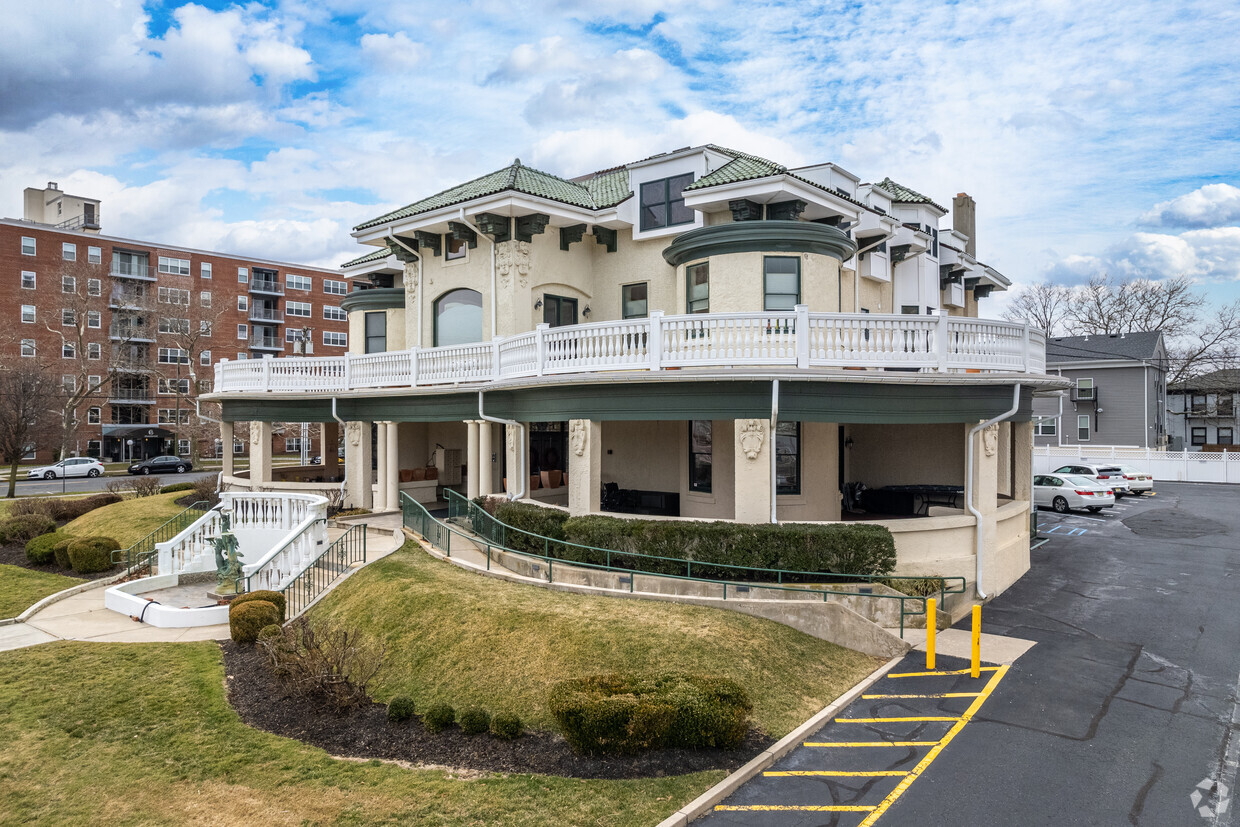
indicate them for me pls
(834, 773)
(944, 672)
(896, 720)
(871, 743)
(802, 808)
(939, 695)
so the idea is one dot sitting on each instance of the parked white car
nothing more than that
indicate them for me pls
(1109, 476)
(1065, 492)
(1138, 481)
(70, 467)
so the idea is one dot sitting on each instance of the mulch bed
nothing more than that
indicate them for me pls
(366, 732)
(15, 555)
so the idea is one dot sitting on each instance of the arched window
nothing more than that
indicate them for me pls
(458, 318)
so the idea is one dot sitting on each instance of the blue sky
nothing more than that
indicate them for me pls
(1096, 137)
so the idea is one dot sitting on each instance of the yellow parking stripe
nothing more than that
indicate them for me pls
(835, 773)
(943, 718)
(940, 695)
(871, 743)
(779, 808)
(936, 674)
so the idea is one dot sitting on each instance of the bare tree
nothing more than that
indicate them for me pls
(1044, 305)
(188, 327)
(28, 392)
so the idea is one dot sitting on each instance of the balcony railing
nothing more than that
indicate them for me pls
(131, 333)
(799, 339)
(270, 286)
(131, 396)
(264, 314)
(121, 298)
(266, 342)
(131, 271)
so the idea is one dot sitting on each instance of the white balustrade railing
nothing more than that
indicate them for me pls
(798, 338)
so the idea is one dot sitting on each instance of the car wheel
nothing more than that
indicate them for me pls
(1094, 509)
(1060, 505)
(49, 475)
(94, 472)
(146, 470)
(181, 469)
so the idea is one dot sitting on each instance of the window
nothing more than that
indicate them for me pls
(28, 347)
(334, 314)
(68, 382)
(243, 303)
(94, 287)
(28, 280)
(174, 295)
(94, 383)
(1199, 436)
(68, 284)
(204, 385)
(1199, 404)
(1226, 405)
(173, 386)
(174, 266)
(204, 358)
(292, 334)
(1082, 428)
(781, 277)
(238, 446)
(204, 327)
(1046, 427)
(242, 331)
(458, 318)
(27, 314)
(335, 288)
(68, 350)
(1224, 436)
(910, 309)
(700, 455)
(559, 310)
(633, 300)
(28, 246)
(292, 445)
(301, 309)
(663, 202)
(68, 251)
(241, 356)
(173, 356)
(335, 338)
(697, 279)
(1085, 389)
(94, 255)
(94, 350)
(376, 332)
(94, 416)
(68, 317)
(94, 448)
(174, 326)
(243, 275)
(182, 447)
(172, 416)
(454, 248)
(788, 458)
(204, 269)
(204, 298)
(94, 319)
(297, 282)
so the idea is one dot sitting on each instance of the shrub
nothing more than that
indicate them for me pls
(204, 489)
(91, 554)
(66, 510)
(352, 512)
(117, 487)
(25, 528)
(247, 619)
(274, 598)
(400, 708)
(177, 486)
(506, 726)
(625, 714)
(323, 660)
(25, 506)
(475, 721)
(536, 519)
(145, 486)
(439, 717)
(40, 550)
(61, 552)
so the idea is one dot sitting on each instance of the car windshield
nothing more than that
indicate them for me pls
(1111, 469)
(1081, 481)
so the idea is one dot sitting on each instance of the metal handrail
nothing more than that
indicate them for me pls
(303, 589)
(443, 532)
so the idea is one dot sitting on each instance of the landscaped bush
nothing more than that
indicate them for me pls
(61, 552)
(177, 486)
(275, 598)
(40, 550)
(536, 519)
(475, 721)
(204, 489)
(352, 512)
(246, 620)
(270, 632)
(117, 487)
(625, 714)
(439, 717)
(322, 660)
(92, 554)
(145, 486)
(24, 506)
(506, 726)
(66, 510)
(25, 528)
(400, 708)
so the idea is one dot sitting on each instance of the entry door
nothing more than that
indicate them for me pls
(559, 311)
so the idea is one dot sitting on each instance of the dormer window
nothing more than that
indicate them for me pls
(663, 202)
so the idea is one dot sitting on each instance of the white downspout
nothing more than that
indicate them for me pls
(774, 478)
(490, 241)
(857, 272)
(344, 477)
(968, 482)
(519, 488)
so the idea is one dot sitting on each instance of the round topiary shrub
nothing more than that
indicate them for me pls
(274, 598)
(273, 631)
(246, 620)
(60, 551)
(41, 550)
(400, 708)
(24, 528)
(439, 717)
(506, 726)
(92, 554)
(475, 721)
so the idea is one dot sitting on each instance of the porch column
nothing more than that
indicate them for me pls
(472, 472)
(585, 464)
(358, 492)
(518, 462)
(391, 483)
(226, 439)
(486, 467)
(985, 493)
(751, 469)
(260, 454)
(1022, 461)
(381, 461)
(329, 442)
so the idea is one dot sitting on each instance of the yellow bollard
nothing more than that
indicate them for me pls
(975, 670)
(931, 629)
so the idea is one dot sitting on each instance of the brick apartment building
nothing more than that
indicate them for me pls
(134, 327)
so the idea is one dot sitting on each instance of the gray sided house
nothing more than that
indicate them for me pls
(1202, 411)
(1118, 394)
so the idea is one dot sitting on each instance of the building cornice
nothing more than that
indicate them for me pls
(760, 236)
(378, 298)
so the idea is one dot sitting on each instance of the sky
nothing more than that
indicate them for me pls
(1096, 137)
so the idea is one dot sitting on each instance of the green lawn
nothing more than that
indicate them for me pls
(128, 521)
(21, 588)
(174, 752)
(456, 637)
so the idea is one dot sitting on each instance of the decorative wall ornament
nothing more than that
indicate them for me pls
(411, 285)
(256, 435)
(990, 439)
(577, 436)
(512, 259)
(753, 433)
(511, 432)
(353, 430)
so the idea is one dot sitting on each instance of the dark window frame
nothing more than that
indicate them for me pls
(694, 484)
(690, 272)
(554, 317)
(766, 290)
(649, 222)
(371, 338)
(793, 489)
(625, 300)
(1228, 440)
(1198, 436)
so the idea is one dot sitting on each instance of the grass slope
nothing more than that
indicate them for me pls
(21, 588)
(127, 521)
(466, 640)
(174, 752)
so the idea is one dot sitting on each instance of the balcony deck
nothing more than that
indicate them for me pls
(799, 340)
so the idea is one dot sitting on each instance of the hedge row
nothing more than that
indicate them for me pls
(842, 549)
(60, 509)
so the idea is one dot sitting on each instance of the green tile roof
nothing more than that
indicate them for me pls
(610, 187)
(907, 196)
(377, 255)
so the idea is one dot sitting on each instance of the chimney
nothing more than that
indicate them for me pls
(964, 220)
(52, 185)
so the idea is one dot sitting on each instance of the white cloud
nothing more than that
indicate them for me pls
(393, 52)
(1210, 206)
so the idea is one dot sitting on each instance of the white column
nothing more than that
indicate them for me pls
(260, 454)
(391, 483)
(226, 439)
(382, 471)
(357, 465)
(486, 484)
(585, 463)
(751, 469)
(472, 472)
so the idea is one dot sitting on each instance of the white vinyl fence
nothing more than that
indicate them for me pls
(1172, 466)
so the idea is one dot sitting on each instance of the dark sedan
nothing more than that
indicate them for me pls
(161, 465)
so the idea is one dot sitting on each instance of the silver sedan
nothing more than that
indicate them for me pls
(1063, 492)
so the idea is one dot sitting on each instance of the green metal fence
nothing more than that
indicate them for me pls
(348, 549)
(137, 558)
(440, 535)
